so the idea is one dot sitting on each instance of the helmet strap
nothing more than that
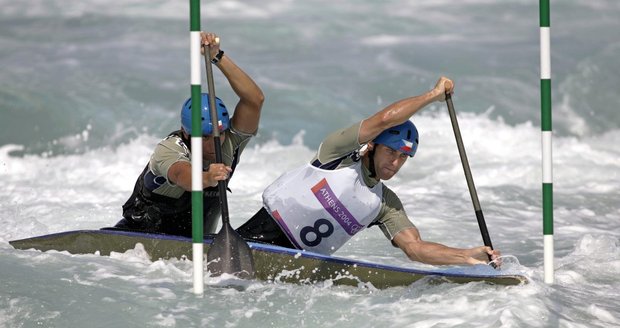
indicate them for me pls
(371, 163)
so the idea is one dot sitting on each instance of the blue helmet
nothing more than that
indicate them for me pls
(207, 127)
(403, 137)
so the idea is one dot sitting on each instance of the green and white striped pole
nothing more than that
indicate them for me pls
(196, 141)
(547, 165)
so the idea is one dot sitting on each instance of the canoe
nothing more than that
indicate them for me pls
(272, 263)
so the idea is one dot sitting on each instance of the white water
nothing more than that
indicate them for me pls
(78, 79)
(85, 192)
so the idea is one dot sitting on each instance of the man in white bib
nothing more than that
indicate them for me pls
(318, 207)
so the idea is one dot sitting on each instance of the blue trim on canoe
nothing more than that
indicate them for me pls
(455, 272)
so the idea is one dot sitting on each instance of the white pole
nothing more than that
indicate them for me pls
(196, 142)
(545, 105)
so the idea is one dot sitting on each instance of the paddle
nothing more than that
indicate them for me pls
(470, 181)
(229, 253)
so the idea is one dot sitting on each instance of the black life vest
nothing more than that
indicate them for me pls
(148, 211)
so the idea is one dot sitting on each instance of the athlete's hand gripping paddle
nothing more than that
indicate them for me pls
(229, 252)
(470, 181)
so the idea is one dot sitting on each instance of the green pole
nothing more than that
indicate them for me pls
(196, 142)
(547, 165)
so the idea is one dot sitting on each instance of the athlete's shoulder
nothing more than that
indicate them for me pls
(390, 198)
(173, 142)
(339, 144)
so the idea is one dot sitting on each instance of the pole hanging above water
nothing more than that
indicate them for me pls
(547, 164)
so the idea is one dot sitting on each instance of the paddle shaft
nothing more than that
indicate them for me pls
(221, 185)
(230, 252)
(470, 181)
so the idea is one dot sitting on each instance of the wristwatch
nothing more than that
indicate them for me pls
(218, 57)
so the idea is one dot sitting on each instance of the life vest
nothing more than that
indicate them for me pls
(159, 213)
(320, 210)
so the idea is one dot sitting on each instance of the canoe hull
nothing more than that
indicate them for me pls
(272, 263)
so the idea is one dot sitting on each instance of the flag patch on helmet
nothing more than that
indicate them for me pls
(407, 147)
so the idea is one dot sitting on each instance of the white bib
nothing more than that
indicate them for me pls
(320, 210)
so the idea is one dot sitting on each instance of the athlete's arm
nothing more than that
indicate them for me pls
(402, 110)
(180, 174)
(411, 243)
(251, 98)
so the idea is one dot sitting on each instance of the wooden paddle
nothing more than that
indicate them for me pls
(470, 181)
(229, 252)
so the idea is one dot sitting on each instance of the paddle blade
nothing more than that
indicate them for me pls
(229, 253)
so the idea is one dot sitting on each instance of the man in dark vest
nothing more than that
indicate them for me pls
(161, 200)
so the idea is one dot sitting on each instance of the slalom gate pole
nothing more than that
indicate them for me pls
(547, 165)
(196, 142)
